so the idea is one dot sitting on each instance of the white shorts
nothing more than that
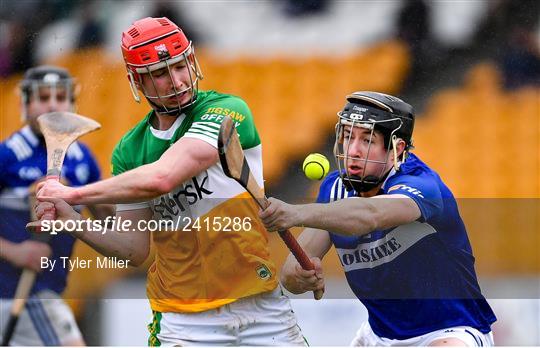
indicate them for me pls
(46, 321)
(265, 319)
(470, 336)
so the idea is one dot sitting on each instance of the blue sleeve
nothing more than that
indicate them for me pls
(3, 158)
(6, 157)
(94, 173)
(326, 187)
(424, 190)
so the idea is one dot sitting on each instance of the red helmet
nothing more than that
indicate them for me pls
(152, 44)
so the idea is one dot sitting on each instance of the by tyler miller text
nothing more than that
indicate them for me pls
(80, 263)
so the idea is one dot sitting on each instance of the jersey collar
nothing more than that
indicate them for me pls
(392, 173)
(168, 133)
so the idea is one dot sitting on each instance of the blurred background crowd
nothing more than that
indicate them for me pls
(470, 68)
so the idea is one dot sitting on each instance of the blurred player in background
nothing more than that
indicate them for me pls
(47, 320)
(212, 283)
(397, 231)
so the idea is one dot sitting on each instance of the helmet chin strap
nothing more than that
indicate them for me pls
(173, 112)
(366, 184)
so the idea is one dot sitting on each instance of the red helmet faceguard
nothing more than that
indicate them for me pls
(154, 44)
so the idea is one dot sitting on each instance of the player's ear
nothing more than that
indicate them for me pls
(400, 146)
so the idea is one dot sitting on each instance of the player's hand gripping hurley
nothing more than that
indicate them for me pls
(236, 167)
(60, 129)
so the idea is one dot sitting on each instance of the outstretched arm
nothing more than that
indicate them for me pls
(183, 160)
(350, 217)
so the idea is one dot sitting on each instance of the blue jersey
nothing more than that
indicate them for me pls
(23, 160)
(414, 278)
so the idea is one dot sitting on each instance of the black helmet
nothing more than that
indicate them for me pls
(388, 114)
(46, 75)
(374, 111)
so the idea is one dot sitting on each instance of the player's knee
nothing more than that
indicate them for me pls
(450, 341)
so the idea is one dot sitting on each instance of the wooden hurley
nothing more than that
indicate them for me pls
(235, 166)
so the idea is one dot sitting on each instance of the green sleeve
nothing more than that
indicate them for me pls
(118, 165)
(207, 121)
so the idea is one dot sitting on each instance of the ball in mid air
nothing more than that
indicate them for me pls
(316, 166)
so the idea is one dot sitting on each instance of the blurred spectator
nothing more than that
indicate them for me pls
(509, 28)
(167, 9)
(503, 15)
(18, 31)
(520, 61)
(414, 28)
(19, 54)
(91, 30)
(295, 8)
(413, 23)
(22, 21)
(5, 56)
(61, 8)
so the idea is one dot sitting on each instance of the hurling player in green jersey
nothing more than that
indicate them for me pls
(167, 168)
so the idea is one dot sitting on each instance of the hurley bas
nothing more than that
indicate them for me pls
(79, 263)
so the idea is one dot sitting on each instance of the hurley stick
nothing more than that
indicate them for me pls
(235, 166)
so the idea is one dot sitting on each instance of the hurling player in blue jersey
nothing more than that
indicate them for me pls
(47, 320)
(397, 231)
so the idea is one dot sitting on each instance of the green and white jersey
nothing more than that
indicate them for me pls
(193, 269)
(144, 144)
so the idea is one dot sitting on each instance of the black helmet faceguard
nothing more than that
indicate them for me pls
(46, 76)
(376, 112)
